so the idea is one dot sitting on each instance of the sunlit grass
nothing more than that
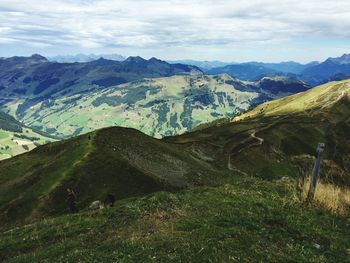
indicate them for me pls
(329, 196)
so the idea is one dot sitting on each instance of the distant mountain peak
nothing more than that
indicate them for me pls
(345, 56)
(135, 59)
(102, 59)
(102, 62)
(154, 59)
(38, 57)
(344, 59)
(83, 58)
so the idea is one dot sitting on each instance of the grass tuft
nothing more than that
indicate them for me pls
(330, 197)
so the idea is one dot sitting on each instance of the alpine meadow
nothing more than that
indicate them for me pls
(178, 131)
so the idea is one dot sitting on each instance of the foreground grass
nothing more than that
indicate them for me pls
(249, 220)
(329, 196)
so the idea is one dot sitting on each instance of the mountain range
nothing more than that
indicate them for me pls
(247, 70)
(81, 58)
(313, 73)
(233, 183)
(255, 70)
(204, 65)
(329, 70)
(270, 142)
(153, 96)
(158, 98)
(158, 107)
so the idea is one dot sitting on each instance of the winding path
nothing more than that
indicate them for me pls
(261, 140)
(252, 135)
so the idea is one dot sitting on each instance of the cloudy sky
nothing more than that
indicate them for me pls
(228, 30)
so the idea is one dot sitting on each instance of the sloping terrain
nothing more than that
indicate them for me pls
(253, 69)
(247, 220)
(15, 138)
(68, 99)
(316, 101)
(330, 69)
(35, 76)
(119, 160)
(85, 58)
(265, 145)
(31, 80)
(203, 65)
(245, 71)
(158, 107)
(313, 73)
(238, 199)
(278, 138)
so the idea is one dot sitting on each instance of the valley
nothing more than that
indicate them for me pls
(189, 187)
(174, 131)
(15, 138)
(157, 98)
(158, 107)
(190, 157)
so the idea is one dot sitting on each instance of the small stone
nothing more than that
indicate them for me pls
(317, 246)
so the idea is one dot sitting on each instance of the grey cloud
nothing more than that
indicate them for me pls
(159, 23)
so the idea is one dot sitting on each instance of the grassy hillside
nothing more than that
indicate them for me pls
(277, 138)
(118, 160)
(246, 220)
(232, 191)
(158, 107)
(314, 101)
(15, 138)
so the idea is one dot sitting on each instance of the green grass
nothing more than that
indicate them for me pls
(217, 194)
(117, 160)
(247, 220)
(8, 138)
(157, 107)
(3, 135)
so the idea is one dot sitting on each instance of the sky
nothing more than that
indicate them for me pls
(226, 30)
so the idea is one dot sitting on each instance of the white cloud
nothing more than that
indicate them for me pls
(160, 25)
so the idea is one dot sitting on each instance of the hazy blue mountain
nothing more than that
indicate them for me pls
(85, 58)
(36, 76)
(255, 70)
(331, 69)
(285, 67)
(343, 60)
(204, 65)
(245, 71)
(36, 81)
(223, 67)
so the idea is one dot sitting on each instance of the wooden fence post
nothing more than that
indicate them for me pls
(315, 172)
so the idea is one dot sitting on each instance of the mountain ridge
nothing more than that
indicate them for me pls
(266, 146)
(158, 106)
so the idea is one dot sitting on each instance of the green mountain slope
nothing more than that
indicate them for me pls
(247, 220)
(238, 198)
(118, 160)
(15, 138)
(276, 138)
(158, 107)
(313, 102)
(153, 96)
(270, 147)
